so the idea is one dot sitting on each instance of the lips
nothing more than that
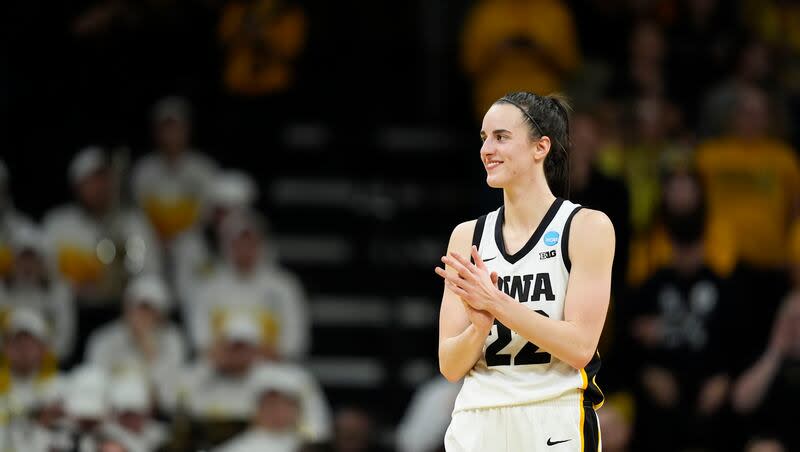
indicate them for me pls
(493, 164)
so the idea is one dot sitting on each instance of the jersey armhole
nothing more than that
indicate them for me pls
(565, 239)
(477, 235)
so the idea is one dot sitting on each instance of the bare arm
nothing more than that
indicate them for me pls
(574, 339)
(753, 384)
(460, 340)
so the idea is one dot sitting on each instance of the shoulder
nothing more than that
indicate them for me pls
(461, 237)
(60, 214)
(592, 233)
(107, 334)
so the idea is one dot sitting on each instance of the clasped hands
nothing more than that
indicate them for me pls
(472, 282)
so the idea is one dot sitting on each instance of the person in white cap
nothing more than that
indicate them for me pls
(143, 339)
(214, 392)
(289, 411)
(250, 281)
(10, 220)
(428, 414)
(170, 184)
(28, 365)
(31, 283)
(95, 244)
(196, 253)
(132, 422)
(86, 405)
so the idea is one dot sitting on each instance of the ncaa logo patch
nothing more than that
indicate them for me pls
(551, 238)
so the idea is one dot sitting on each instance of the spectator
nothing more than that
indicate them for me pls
(97, 245)
(653, 250)
(86, 406)
(753, 64)
(288, 411)
(10, 220)
(171, 183)
(250, 281)
(31, 284)
(43, 430)
(197, 252)
(679, 323)
(518, 45)
(132, 422)
(770, 385)
(426, 419)
(213, 392)
(143, 340)
(748, 171)
(29, 368)
(643, 75)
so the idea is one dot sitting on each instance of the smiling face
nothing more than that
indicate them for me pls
(509, 153)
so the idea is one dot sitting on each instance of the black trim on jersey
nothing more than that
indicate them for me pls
(565, 239)
(591, 430)
(537, 234)
(593, 395)
(478, 234)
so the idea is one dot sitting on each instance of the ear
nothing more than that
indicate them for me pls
(541, 148)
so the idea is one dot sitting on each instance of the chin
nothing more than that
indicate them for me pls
(495, 182)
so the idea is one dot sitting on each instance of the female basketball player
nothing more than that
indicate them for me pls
(526, 293)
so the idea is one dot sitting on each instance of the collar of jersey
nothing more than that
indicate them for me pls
(537, 234)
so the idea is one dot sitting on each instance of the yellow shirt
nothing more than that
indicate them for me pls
(498, 66)
(753, 186)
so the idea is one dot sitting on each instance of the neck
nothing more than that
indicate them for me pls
(526, 205)
(690, 258)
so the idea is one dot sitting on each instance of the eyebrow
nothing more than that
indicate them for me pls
(496, 131)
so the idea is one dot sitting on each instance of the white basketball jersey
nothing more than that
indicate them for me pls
(513, 371)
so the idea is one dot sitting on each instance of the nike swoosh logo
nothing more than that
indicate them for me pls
(550, 441)
(489, 258)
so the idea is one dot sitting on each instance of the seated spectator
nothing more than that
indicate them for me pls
(132, 422)
(213, 392)
(86, 406)
(426, 419)
(512, 45)
(10, 220)
(31, 284)
(749, 171)
(42, 430)
(679, 323)
(289, 411)
(250, 281)
(197, 252)
(171, 183)
(770, 385)
(143, 340)
(653, 249)
(95, 244)
(29, 367)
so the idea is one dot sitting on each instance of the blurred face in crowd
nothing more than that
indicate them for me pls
(236, 357)
(132, 421)
(754, 62)
(353, 431)
(651, 119)
(25, 353)
(29, 267)
(141, 316)
(172, 136)
(111, 446)
(246, 248)
(507, 152)
(751, 117)
(278, 412)
(95, 190)
(49, 415)
(684, 214)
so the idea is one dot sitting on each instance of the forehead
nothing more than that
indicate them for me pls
(502, 116)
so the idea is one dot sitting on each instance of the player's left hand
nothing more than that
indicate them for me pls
(472, 282)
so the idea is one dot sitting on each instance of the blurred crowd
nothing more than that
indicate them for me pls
(152, 312)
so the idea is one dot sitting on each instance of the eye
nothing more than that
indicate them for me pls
(500, 138)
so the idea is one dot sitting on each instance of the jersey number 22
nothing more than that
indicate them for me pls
(528, 354)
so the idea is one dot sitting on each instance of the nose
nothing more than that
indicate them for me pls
(487, 149)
